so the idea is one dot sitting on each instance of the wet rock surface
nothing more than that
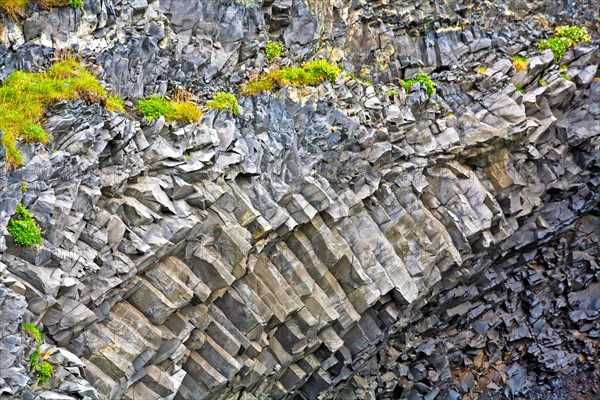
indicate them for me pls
(334, 242)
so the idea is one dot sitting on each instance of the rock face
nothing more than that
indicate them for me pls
(345, 240)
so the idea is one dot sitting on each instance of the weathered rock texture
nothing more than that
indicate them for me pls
(331, 241)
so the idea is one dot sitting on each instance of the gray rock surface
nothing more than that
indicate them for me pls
(330, 241)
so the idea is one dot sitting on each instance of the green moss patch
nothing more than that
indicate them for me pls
(311, 73)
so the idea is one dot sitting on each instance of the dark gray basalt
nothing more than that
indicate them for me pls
(340, 241)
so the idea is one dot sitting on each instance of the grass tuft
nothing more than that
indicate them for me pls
(25, 96)
(183, 111)
(12, 8)
(115, 104)
(311, 73)
(225, 101)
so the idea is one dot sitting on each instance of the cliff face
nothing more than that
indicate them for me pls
(345, 240)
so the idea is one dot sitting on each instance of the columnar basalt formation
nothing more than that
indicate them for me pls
(347, 240)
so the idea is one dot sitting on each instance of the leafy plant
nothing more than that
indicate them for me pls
(25, 96)
(559, 46)
(543, 82)
(481, 70)
(183, 111)
(225, 101)
(311, 73)
(24, 229)
(422, 79)
(391, 93)
(23, 187)
(564, 38)
(43, 370)
(520, 63)
(274, 50)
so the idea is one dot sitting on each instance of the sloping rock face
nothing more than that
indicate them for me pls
(340, 241)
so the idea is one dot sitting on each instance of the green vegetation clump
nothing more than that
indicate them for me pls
(76, 3)
(183, 111)
(12, 8)
(311, 73)
(225, 101)
(481, 70)
(420, 78)
(43, 370)
(520, 63)
(23, 187)
(564, 38)
(391, 93)
(24, 229)
(25, 96)
(274, 50)
(565, 76)
(114, 104)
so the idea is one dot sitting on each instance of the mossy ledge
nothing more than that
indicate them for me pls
(311, 73)
(25, 96)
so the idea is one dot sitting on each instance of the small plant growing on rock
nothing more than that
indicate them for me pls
(24, 229)
(520, 63)
(481, 70)
(225, 101)
(519, 88)
(23, 187)
(565, 76)
(115, 104)
(274, 50)
(43, 370)
(564, 38)
(391, 93)
(543, 82)
(420, 78)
